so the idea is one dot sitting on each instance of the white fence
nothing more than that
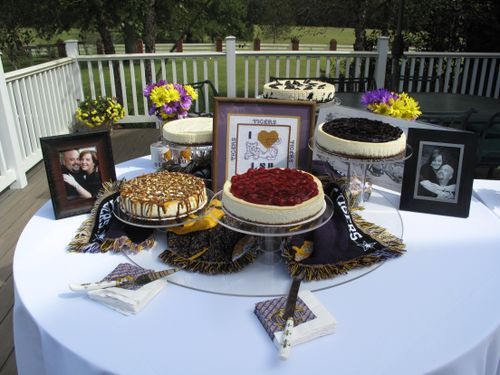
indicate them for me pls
(89, 49)
(40, 101)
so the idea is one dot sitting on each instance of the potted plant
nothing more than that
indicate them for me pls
(98, 114)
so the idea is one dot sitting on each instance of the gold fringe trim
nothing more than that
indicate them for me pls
(80, 242)
(394, 248)
(123, 243)
(206, 267)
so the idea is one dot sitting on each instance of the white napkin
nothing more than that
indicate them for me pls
(324, 323)
(314, 319)
(127, 301)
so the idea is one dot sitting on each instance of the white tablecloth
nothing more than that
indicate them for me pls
(488, 192)
(434, 310)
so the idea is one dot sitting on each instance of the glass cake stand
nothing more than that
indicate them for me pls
(359, 187)
(161, 224)
(270, 238)
(261, 279)
(181, 154)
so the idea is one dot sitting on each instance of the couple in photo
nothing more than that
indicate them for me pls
(80, 173)
(437, 177)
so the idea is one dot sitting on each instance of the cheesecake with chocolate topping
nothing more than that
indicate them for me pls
(299, 89)
(361, 138)
(162, 196)
(273, 196)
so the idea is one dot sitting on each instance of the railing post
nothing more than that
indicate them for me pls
(381, 65)
(231, 66)
(8, 136)
(72, 51)
(218, 44)
(333, 44)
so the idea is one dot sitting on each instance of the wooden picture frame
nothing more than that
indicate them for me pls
(253, 133)
(438, 177)
(76, 166)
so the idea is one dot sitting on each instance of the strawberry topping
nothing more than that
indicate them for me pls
(278, 187)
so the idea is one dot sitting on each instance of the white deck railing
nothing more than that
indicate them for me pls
(34, 102)
(40, 101)
(458, 73)
(98, 75)
(258, 67)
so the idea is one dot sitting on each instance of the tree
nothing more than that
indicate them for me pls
(195, 20)
(13, 37)
(276, 17)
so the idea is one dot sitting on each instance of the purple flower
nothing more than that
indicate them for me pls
(167, 109)
(186, 101)
(377, 96)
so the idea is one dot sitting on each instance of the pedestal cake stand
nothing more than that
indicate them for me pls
(359, 189)
(270, 238)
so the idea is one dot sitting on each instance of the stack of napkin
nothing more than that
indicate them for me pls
(127, 299)
(311, 318)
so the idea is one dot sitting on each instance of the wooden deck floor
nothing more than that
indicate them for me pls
(18, 206)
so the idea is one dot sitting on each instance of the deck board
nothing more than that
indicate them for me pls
(23, 203)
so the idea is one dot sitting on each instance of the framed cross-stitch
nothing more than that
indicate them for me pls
(76, 166)
(260, 133)
(438, 177)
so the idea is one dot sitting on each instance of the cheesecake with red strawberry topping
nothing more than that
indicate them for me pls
(273, 196)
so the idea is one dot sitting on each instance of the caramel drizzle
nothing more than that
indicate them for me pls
(161, 190)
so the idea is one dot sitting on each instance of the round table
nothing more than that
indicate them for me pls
(434, 310)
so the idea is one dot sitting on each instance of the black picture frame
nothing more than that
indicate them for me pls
(66, 199)
(260, 117)
(438, 177)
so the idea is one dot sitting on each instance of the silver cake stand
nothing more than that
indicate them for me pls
(162, 224)
(270, 238)
(358, 188)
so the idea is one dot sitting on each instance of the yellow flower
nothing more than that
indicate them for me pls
(161, 95)
(191, 92)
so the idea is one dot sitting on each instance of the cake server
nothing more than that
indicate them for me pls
(125, 280)
(286, 343)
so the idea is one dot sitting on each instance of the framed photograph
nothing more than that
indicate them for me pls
(438, 176)
(76, 166)
(256, 133)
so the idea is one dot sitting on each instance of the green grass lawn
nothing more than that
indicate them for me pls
(309, 34)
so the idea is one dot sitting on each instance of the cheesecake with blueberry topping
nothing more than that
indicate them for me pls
(361, 138)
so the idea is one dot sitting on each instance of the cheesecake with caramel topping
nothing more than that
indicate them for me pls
(273, 196)
(162, 196)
